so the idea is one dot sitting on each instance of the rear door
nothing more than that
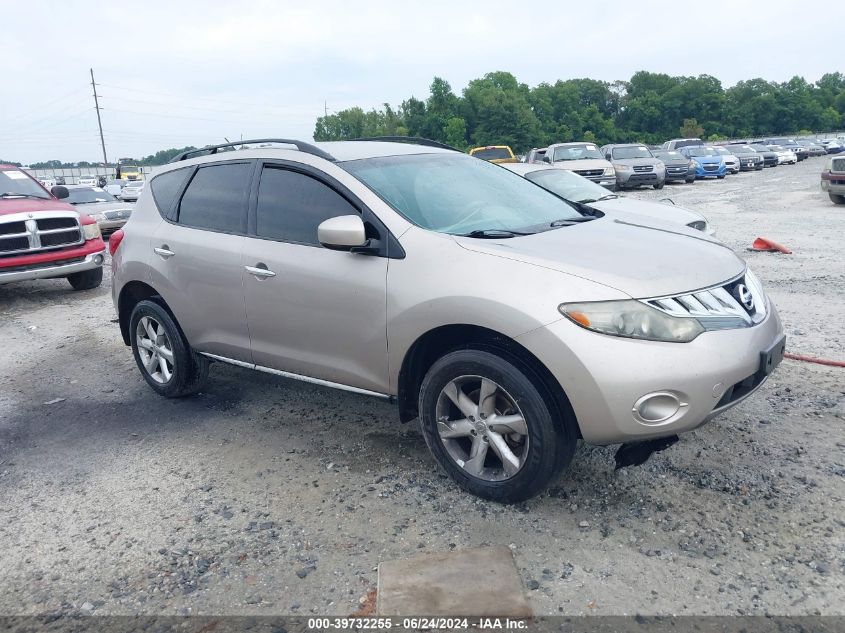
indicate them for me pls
(313, 311)
(196, 258)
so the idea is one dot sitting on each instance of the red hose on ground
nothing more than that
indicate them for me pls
(818, 361)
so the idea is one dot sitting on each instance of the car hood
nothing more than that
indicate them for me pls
(675, 162)
(706, 160)
(637, 161)
(584, 163)
(660, 210)
(99, 207)
(21, 205)
(641, 259)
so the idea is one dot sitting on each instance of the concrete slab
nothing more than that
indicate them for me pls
(472, 582)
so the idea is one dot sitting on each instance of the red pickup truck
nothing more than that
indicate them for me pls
(42, 237)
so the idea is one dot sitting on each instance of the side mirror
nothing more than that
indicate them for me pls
(59, 191)
(547, 159)
(343, 233)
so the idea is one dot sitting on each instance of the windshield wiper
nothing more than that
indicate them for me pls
(609, 196)
(493, 233)
(569, 221)
(12, 194)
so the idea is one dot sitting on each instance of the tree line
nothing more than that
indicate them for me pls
(159, 158)
(649, 108)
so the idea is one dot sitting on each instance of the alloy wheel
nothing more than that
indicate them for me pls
(154, 349)
(482, 428)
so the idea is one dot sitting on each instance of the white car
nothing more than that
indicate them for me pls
(578, 190)
(731, 161)
(785, 156)
(132, 191)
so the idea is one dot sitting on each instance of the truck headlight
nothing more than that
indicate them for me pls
(618, 168)
(91, 231)
(631, 319)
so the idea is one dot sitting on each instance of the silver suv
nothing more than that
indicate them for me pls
(511, 322)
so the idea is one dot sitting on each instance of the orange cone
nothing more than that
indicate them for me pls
(768, 246)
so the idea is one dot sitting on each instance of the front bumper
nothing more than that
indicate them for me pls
(835, 186)
(605, 376)
(679, 173)
(700, 172)
(53, 263)
(632, 178)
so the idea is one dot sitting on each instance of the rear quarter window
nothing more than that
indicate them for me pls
(166, 188)
(216, 198)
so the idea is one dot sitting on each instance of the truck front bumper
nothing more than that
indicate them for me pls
(90, 255)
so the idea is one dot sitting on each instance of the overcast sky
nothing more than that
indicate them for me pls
(193, 72)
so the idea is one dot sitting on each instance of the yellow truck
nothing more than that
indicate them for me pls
(494, 154)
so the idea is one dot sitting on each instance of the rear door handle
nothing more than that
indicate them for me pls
(260, 271)
(164, 251)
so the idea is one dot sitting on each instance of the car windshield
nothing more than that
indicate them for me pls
(702, 151)
(776, 148)
(135, 184)
(492, 153)
(87, 195)
(760, 148)
(15, 182)
(670, 155)
(631, 151)
(722, 151)
(568, 185)
(456, 194)
(576, 152)
(741, 149)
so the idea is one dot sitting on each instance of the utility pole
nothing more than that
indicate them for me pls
(99, 122)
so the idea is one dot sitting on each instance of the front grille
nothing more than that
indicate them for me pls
(117, 215)
(720, 307)
(643, 168)
(51, 224)
(12, 227)
(589, 172)
(39, 232)
(711, 167)
(676, 170)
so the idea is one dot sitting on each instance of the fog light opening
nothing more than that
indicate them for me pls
(655, 408)
(98, 259)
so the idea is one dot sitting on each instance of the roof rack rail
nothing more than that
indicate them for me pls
(416, 140)
(302, 146)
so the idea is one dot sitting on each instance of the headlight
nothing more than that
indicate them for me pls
(631, 319)
(695, 163)
(90, 231)
(698, 225)
(99, 217)
(622, 168)
(610, 171)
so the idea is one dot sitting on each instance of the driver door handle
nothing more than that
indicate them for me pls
(260, 271)
(163, 251)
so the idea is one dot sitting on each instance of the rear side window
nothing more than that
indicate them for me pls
(166, 187)
(216, 198)
(291, 205)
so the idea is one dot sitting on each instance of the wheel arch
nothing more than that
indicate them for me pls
(433, 344)
(131, 295)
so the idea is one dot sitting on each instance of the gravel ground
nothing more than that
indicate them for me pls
(268, 496)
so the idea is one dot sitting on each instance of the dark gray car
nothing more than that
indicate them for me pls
(678, 166)
(749, 158)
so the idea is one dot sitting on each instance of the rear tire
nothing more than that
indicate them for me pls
(86, 279)
(162, 354)
(502, 463)
(837, 199)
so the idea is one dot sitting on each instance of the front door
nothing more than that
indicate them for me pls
(312, 311)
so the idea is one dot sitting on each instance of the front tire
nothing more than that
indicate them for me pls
(689, 181)
(720, 177)
(837, 199)
(490, 428)
(86, 279)
(165, 359)
(659, 185)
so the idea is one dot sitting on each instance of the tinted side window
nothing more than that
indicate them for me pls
(291, 205)
(166, 187)
(216, 198)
